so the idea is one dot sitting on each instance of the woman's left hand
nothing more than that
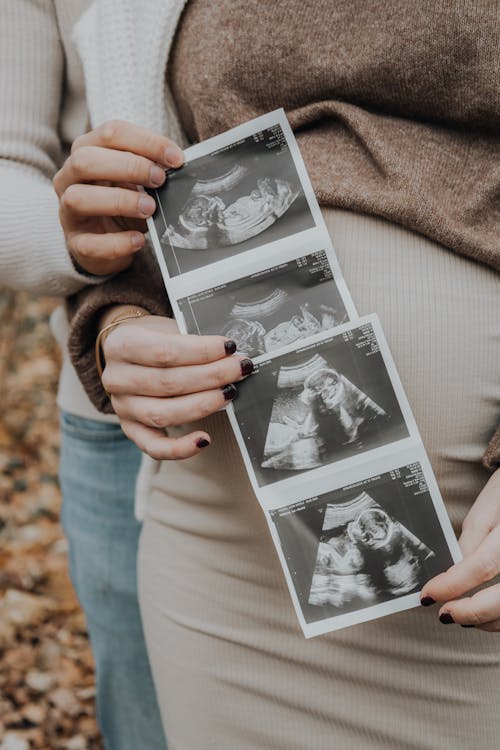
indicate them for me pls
(480, 545)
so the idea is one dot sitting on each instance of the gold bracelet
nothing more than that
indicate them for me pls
(109, 327)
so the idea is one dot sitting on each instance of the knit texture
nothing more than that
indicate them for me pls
(140, 285)
(395, 105)
(35, 131)
(372, 140)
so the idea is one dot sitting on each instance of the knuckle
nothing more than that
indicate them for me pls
(168, 383)
(207, 406)
(487, 568)
(70, 198)
(152, 143)
(204, 350)
(135, 169)
(79, 246)
(109, 382)
(475, 616)
(121, 201)
(57, 180)
(80, 161)
(220, 375)
(77, 143)
(109, 132)
(161, 354)
(156, 417)
(113, 250)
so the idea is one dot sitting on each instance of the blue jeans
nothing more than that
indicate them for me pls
(98, 468)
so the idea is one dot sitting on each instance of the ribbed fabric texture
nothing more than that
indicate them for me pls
(49, 100)
(42, 109)
(396, 105)
(211, 586)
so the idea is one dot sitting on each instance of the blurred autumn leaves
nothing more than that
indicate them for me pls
(46, 671)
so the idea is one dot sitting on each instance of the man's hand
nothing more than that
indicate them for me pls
(101, 211)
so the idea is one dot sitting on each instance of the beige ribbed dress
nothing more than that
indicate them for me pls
(232, 668)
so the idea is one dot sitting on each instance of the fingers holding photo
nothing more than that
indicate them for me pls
(157, 378)
(156, 444)
(126, 136)
(102, 210)
(480, 543)
(482, 610)
(154, 341)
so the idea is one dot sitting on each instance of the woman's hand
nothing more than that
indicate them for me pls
(480, 544)
(158, 378)
(101, 211)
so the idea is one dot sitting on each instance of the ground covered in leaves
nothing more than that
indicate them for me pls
(46, 671)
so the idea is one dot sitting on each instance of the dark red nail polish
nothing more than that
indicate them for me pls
(426, 601)
(246, 366)
(467, 626)
(202, 443)
(446, 618)
(230, 346)
(230, 392)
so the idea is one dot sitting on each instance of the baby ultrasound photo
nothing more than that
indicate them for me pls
(269, 309)
(310, 408)
(235, 199)
(362, 545)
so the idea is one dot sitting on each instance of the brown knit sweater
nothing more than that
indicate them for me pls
(395, 105)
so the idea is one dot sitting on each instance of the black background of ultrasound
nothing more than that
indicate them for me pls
(301, 284)
(261, 160)
(254, 404)
(300, 532)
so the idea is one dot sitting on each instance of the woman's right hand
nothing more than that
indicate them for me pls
(102, 213)
(158, 378)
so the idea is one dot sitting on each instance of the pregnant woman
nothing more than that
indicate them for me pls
(394, 107)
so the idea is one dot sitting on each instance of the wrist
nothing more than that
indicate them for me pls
(110, 319)
(112, 313)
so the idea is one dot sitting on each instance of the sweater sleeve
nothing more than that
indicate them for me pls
(141, 284)
(33, 253)
(491, 459)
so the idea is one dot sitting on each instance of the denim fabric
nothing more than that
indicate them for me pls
(97, 472)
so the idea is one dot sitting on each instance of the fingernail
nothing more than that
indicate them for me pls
(156, 175)
(246, 366)
(446, 618)
(230, 391)
(230, 346)
(467, 626)
(426, 601)
(137, 241)
(202, 443)
(174, 157)
(146, 205)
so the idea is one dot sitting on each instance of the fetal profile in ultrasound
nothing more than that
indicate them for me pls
(311, 407)
(362, 545)
(364, 554)
(229, 201)
(216, 213)
(316, 408)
